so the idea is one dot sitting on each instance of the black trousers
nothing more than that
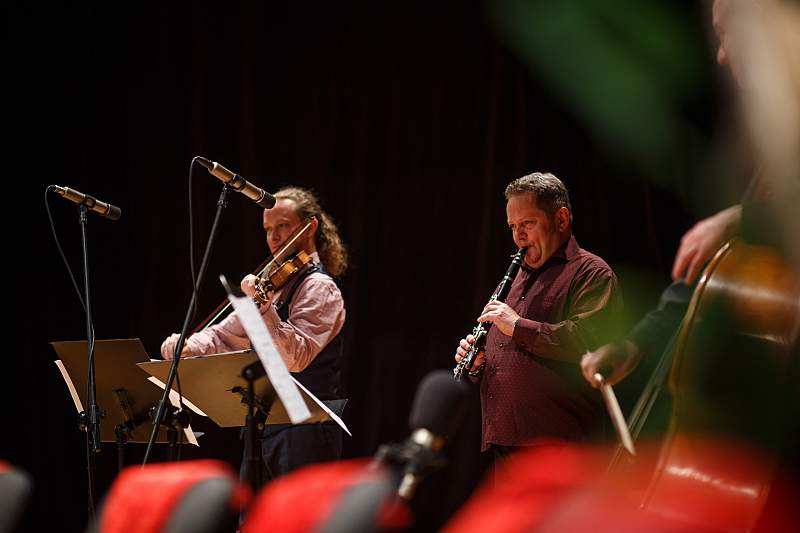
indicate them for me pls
(287, 448)
(499, 454)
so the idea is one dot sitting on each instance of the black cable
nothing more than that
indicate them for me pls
(191, 231)
(221, 203)
(191, 265)
(90, 342)
(61, 250)
(90, 475)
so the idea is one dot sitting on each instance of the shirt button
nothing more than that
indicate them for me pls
(491, 396)
(501, 344)
(522, 298)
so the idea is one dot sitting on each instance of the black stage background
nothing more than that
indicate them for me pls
(407, 118)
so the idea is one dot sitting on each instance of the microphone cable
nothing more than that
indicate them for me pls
(90, 341)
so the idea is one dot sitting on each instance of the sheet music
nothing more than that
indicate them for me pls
(268, 354)
(192, 407)
(70, 385)
(175, 401)
(324, 407)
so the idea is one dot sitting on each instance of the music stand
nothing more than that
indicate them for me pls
(123, 390)
(219, 385)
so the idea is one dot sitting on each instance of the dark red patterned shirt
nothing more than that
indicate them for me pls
(532, 386)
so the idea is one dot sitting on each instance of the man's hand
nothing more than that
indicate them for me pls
(703, 240)
(168, 347)
(614, 361)
(463, 348)
(501, 316)
(249, 285)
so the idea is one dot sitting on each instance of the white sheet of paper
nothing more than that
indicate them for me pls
(264, 345)
(192, 407)
(175, 401)
(70, 385)
(324, 407)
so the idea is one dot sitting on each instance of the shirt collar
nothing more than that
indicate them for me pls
(568, 251)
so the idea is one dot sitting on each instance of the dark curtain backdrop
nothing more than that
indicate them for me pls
(407, 118)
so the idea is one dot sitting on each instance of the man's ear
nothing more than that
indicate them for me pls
(562, 219)
(314, 225)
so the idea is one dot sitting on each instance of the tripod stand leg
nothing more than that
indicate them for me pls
(252, 454)
(121, 442)
(172, 437)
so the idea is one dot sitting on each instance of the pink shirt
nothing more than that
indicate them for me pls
(316, 316)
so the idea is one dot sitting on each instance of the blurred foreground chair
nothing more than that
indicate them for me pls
(15, 492)
(193, 496)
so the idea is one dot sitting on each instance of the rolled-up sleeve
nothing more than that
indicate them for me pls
(227, 336)
(316, 316)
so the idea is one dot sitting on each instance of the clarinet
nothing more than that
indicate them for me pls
(482, 329)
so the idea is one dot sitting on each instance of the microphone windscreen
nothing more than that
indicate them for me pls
(205, 162)
(114, 212)
(439, 403)
(268, 201)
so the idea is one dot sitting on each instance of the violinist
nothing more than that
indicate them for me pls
(305, 317)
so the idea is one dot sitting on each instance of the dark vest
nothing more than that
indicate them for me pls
(323, 376)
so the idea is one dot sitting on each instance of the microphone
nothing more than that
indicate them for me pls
(109, 211)
(238, 183)
(438, 409)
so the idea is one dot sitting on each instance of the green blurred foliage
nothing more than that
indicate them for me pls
(627, 70)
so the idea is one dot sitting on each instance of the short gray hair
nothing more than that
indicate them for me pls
(550, 192)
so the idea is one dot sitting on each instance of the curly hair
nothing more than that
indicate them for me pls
(332, 251)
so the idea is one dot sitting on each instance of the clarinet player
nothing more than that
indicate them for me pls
(562, 302)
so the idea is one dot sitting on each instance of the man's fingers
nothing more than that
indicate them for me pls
(682, 262)
(588, 368)
(694, 268)
(167, 347)
(491, 306)
(486, 318)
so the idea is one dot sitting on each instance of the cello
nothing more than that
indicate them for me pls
(731, 375)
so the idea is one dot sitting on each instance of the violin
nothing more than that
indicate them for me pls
(272, 274)
(280, 276)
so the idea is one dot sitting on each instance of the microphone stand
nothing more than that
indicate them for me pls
(91, 417)
(176, 357)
